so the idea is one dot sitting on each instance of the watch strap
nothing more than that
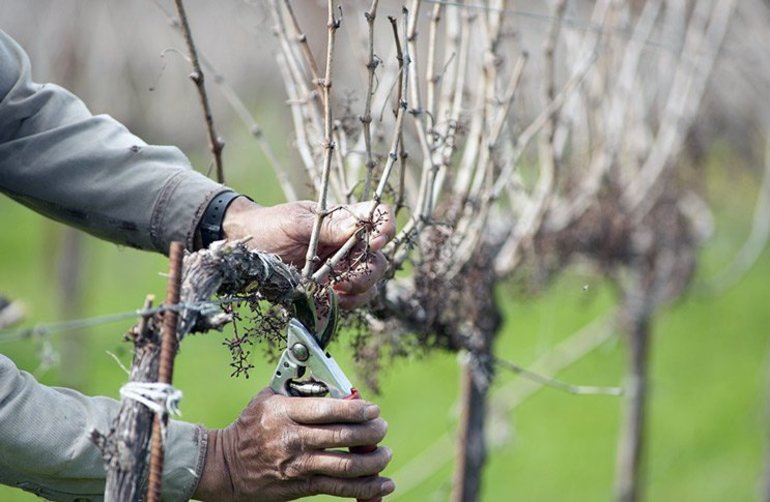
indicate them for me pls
(210, 226)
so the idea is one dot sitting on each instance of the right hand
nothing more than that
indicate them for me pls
(283, 448)
(285, 230)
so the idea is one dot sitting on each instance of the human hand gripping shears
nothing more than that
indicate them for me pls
(305, 369)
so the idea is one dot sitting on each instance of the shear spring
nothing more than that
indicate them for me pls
(307, 389)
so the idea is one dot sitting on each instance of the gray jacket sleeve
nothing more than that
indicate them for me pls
(45, 446)
(90, 171)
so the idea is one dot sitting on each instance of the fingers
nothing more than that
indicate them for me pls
(384, 228)
(318, 411)
(363, 276)
(343, 436)
(345, 465)
(343, 222)
(361, 488)
(340, 224)
(350, 302)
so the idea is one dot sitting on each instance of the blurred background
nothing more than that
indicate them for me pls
(709, 353)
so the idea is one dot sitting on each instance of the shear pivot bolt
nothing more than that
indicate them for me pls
(300, 352)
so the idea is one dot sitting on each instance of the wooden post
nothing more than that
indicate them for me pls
(125, 447)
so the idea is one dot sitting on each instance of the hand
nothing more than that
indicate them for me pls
(285, 230)
(282, 448)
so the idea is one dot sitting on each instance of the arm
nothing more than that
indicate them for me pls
(45, 446)
(278, 449)
(90, 171)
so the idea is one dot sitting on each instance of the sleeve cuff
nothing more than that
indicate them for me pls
(179, 208)
(183, 464)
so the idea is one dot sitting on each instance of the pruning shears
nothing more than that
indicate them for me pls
(305, 368)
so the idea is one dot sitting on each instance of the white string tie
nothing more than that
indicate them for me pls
(160, 398)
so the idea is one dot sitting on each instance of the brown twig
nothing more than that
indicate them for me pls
(215, 143)
(401, 193)
(445, 126)
(240, 109)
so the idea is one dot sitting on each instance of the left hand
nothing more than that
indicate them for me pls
(285, 230)
(283, 448)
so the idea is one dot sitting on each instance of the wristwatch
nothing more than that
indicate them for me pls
(210, 226)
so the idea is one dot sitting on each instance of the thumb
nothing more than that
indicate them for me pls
(339, 226)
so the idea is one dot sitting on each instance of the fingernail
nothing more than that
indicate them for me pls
(371, 412)
(388, 486)
(378, 242)
(390, 453)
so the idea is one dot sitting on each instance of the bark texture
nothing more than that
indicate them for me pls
(126, 445)
(225, 268)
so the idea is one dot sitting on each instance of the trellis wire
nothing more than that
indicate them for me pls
(15, 334)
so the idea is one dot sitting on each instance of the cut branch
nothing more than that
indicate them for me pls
(215, 143)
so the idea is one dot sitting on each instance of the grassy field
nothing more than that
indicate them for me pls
(709, 369)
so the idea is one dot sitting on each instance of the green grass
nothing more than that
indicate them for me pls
(709, 367)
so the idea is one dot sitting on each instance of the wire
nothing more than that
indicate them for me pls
(555, 383)
(38, 330)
